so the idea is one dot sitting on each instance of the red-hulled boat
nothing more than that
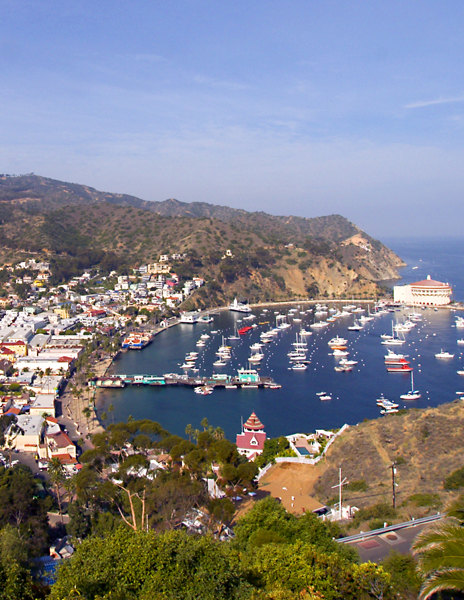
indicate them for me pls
(405, 368)
(244, 330)
(396, 361)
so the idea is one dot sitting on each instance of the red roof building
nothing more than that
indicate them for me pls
(251, 441)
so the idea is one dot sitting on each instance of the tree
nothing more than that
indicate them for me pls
(57, 475)
(15, 578)
(189, 431)
(128, 564)
(373, 581)
(110, 409)
(21, 507)
(87, 414)
(440, 552)
(405, 580)
(222, 510)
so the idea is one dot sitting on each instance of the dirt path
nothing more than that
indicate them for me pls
(373, 436)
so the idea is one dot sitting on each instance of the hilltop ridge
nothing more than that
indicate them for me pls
(273, 257)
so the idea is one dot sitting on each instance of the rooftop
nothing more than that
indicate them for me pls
(429, 282)
(253, 423)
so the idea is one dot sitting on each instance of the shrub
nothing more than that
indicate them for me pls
(357, 486)
(378, 524)
(379, 511)
(425, 499)
(455, 480)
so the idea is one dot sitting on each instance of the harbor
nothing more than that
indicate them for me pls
(158, 382)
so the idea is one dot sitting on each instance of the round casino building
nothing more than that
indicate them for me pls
(423, 293)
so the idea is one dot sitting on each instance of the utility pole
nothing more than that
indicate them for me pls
(340, 487)
(393, 469)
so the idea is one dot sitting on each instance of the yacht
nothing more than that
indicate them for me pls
(296, 356)
(347, 363)
(305, 333)
(256, 346)
(319, 324)
(256, 357)
(299, 367)
(443, 354)
(337, 341)
(219, 363)
(338, 352)
(394, 355)
(356, 326)
(281, 322)
(204, 390)
(239, 307)
(401, 368)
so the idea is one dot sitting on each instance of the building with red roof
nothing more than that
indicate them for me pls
(427, 292)
(250, 441)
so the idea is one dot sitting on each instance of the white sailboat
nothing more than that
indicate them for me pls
(393, 341)
(412, 394)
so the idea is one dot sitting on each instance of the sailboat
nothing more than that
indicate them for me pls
(412, 394)
(235, 335)
(393, 341)
(356, 326)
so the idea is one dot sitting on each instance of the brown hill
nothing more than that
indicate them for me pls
(274, 257)
(427, 446)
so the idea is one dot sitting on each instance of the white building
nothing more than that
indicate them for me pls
(44, 404)
(423, 293)
(25, 434)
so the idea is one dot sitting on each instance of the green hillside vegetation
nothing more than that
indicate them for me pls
(274, 257)
(427, 447)
(274, 556)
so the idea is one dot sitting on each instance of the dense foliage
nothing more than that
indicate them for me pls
(298, 559)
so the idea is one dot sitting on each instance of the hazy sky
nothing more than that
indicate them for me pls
(302, 107)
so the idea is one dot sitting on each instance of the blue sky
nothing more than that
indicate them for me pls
(304, 107)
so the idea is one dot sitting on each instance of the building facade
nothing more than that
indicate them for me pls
(250, 441)
(427, 292)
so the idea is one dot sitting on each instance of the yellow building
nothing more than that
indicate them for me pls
(18, 348)
(65, 311)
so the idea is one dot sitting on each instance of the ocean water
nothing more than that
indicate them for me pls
(441, 258)
(296, 407)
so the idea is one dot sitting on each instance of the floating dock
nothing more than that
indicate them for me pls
(245, 379)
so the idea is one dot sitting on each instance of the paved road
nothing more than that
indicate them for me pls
(379, 546)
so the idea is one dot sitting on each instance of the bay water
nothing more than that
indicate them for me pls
(296, 406)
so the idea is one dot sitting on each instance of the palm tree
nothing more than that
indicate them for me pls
(189, 431)
(110, 409)
(57, 475)
(87, 413)
(440, 552)
(218, 433)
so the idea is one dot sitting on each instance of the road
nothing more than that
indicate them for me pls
(376, 547)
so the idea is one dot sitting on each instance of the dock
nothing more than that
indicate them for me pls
(245, 379)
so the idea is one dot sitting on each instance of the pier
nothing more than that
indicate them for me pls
(243, 380)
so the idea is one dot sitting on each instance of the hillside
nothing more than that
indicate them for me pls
(427, 446)
(274, 257)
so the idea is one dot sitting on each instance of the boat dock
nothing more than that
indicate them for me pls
(217, 381)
